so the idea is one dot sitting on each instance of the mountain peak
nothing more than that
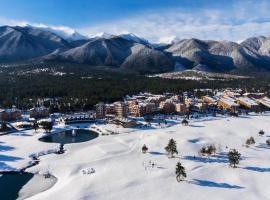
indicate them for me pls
(62, 31)
(134, 38)
(103, 35)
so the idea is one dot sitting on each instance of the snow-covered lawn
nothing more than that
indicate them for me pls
(123, 172)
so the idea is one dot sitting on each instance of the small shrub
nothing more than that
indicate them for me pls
(208, 150)
(144, 148)
(261, 132)
(250, 141)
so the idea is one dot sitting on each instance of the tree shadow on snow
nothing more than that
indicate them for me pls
(196, 126)
(9, 158)
(217, 158)
(21, 134)
(257, 169)
(206, 183)
(144, 127)
(161, 167)
(244, 116)
(6, 148)
(263, 146)
(156, 153)
(196, 140)
(206, 159)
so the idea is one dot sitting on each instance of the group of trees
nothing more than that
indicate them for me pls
(208, 150)
(46, 125)
(79, 88)
(171, 150)
(251, 140)
(233, 156)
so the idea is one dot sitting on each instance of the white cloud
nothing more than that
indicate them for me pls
(64, 31)
(242, 20)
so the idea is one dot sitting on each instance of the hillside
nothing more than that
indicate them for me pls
(128, 52)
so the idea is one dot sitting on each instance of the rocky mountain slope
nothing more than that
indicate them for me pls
(129, 52)
(21, 43)
(218, 56)
(115, 52)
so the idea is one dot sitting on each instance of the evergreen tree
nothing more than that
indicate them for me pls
(35, 126)
(180, 172)
(261, 132)
(144, 148)
(171, 148)
(47, 126)
(3, 127)
(234, 157)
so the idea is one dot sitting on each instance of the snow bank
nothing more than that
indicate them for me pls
(36, 185)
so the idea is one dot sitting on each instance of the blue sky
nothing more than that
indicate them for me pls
(156, 20)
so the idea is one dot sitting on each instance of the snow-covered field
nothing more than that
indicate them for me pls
(123, 172)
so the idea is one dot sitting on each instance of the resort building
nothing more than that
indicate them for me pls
(124, 122)
(232, 93)
(211, 100)
(10, 114)
(248, 103)
(137, 110)
(110, 109)
(150, 108)
(180, 108)
(189, 100)
(199, 107)
(100, 110)
(264, 102)
(167, 106)
(121, 109)
(77, 118)
(39, 112)
(256, 95)
(228, 103)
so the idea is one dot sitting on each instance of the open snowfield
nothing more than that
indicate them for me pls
(123, 172)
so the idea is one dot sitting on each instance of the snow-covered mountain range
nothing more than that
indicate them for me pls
(44, 44)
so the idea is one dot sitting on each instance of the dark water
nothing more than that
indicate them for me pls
(70, 136)
(11, 184)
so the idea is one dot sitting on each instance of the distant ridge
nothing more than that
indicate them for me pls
(132, 53)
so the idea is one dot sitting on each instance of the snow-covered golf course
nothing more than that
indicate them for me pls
(122, 171)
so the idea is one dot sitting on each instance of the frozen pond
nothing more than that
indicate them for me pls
(70, 136)
(11, 184)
